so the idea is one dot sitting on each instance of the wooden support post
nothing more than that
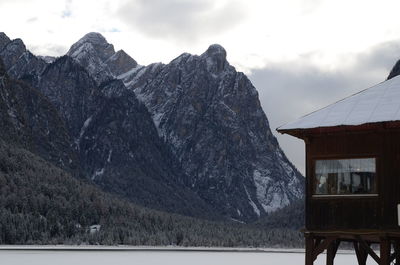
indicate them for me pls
(361, 253)
(397, 251)
(385, 248)
(309, 249)
(363, 244)
(323, 244)
(331, 252)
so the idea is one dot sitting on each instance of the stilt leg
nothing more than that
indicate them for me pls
(385, 247)
(361, 253)
(397, 251)
(331, 252)
(309, 250)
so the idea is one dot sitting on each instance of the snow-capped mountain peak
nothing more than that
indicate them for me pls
(97, 42)
(98, 56)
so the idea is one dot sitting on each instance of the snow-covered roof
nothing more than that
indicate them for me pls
(379, 103)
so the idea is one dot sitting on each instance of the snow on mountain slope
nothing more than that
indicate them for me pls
(210, 116)
(94, 53)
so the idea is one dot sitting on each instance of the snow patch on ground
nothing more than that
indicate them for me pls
(109, 156)
(157, 119)
(269, 194)
(277, 201)
(83, 130)
(159, 255)
(255, 208)
(85, 125)
(97, 173)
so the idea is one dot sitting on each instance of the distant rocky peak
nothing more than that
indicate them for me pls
(12, 54)
(94, 37)
(99, 58)
(4, 40)
(4, 36)
(120, 63)
(95, 41)
(216, 51)
(65, 64)
(16, 46)
(395, 70)
(215, 57)
(123, 54)
(181, 58)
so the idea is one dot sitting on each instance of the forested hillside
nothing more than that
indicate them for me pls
(290, 217)
(42, 204)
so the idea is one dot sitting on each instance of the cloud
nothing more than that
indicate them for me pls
(8, 2)
(48, 49)
(32, 20)
(310, 6)
(67, 11)
(292, 89)
(181, 20)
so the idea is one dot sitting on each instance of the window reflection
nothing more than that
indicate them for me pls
(345, 176)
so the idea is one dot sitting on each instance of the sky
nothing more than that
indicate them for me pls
(301, 55)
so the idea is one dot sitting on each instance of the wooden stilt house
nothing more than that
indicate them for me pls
(353, 174)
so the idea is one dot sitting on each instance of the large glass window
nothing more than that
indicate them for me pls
(345, 176)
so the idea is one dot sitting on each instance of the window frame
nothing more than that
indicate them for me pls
(313, 178)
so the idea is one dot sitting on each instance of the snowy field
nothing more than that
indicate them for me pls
(102, 256)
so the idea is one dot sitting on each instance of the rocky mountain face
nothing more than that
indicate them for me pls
(210, 117)
(29, 120)
(117, 141)
(20, 63)
(188, 137)
(99, 58)
(113, 137)
(395, 70)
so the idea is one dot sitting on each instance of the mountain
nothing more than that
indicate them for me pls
(117, 142)
(210, 116)
(97, 56)
(20, 63)
(42, 203)
(188, 137)
(108, 132)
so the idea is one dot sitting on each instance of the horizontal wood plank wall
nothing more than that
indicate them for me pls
(379, 212)
(392, 182)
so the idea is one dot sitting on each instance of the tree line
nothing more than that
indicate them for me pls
(42, 204)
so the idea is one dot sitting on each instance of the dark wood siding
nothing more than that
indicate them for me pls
(355, 212)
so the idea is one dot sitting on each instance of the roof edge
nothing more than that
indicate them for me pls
(375, 126)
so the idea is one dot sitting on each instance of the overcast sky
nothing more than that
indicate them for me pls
(300, 54)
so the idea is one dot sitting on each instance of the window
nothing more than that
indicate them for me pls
(345, 176)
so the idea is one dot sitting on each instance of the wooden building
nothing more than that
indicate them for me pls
(353, 174)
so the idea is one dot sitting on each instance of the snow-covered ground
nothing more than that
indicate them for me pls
(164, 256)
